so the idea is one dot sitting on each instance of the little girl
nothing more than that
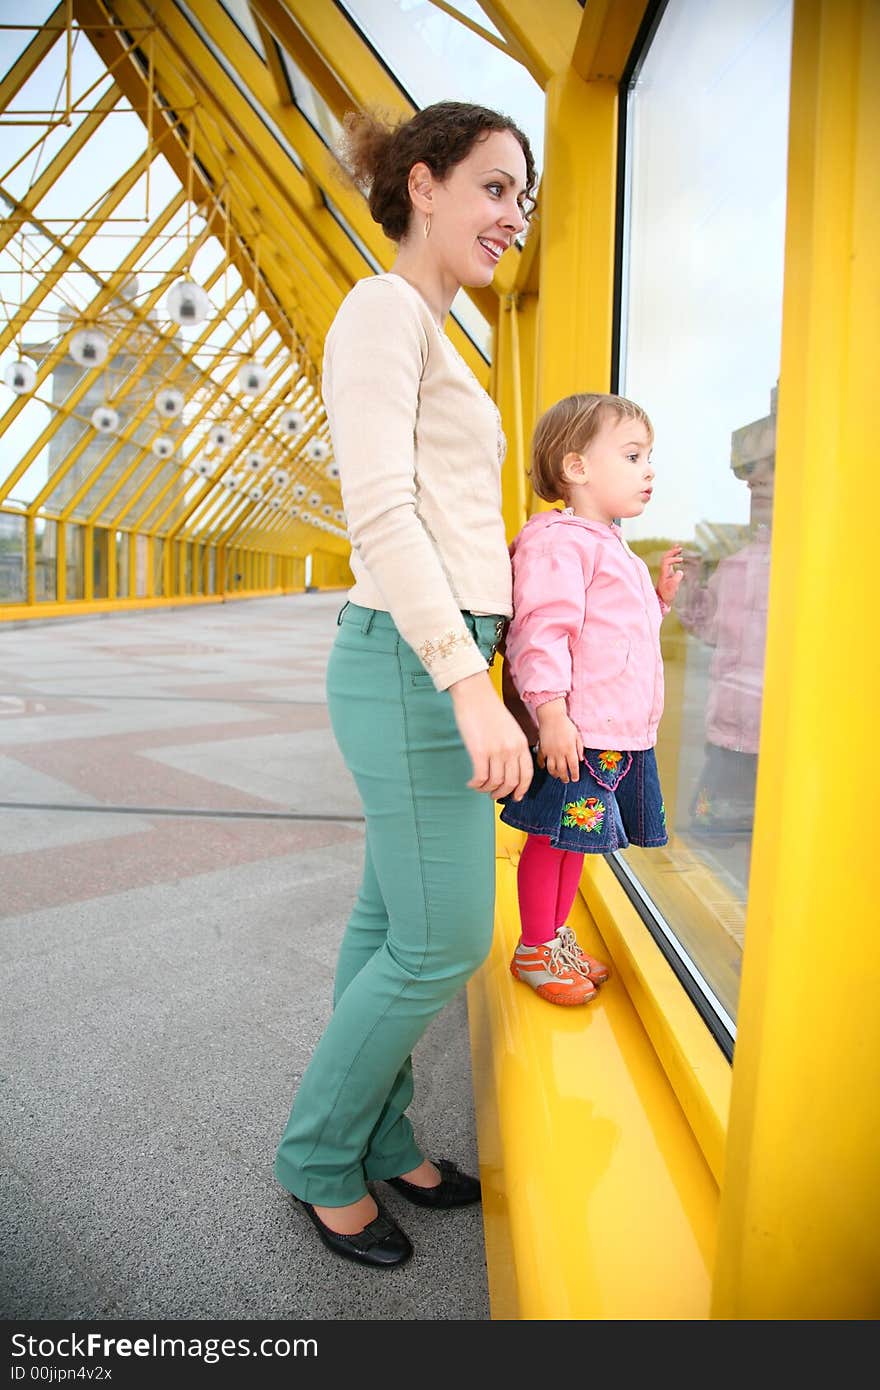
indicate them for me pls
(583, 655)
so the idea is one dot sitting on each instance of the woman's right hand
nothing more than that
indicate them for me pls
(498, 748)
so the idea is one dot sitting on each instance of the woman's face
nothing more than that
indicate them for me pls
(476, 211)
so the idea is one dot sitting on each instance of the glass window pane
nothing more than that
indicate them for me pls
(12, 558)
(45, 558)
(75, 571)
(706, 161)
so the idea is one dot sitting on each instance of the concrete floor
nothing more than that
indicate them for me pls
(179, 850)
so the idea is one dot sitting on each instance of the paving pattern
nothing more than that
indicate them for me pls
(180, 845)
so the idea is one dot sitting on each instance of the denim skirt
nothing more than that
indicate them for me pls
(615, 802)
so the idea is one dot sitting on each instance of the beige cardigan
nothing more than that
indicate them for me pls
(419, 447)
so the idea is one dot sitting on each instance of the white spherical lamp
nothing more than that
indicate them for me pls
(169, 402)
(162, 446)
(293, 423)
(89, 347)
(252, 378)
(221, 436)
(317, 451)
(20, 377)
(105, 419)
(187, 303)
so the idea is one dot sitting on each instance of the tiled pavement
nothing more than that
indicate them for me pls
(179, 848)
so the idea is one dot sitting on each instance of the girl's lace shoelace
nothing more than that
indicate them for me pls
(566, 955)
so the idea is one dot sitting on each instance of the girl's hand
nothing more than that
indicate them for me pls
(667, 584)
(560, 743)
(498, 748)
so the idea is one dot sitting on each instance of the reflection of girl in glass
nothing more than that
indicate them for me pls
(730, 613)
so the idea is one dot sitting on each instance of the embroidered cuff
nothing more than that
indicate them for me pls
(436, 650)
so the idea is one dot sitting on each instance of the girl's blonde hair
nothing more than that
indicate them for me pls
(568, 427)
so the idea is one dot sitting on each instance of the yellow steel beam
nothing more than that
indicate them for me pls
(57, 165)
(148, 358)
(219, 96)
(578, 194)
(141, 521)
(50, 362)
(607, 32)
(317, 159)
(333, 55)
(136, 463)
(108, 205)
(88, 378)
(30, 59)
(542, 36)
(221, 163)
(157, 523)
(361, 81)
(800, 1204)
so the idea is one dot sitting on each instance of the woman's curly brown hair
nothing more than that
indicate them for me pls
(378, 155)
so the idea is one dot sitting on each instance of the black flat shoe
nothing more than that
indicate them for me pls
(455, 1188)
(381, 1243)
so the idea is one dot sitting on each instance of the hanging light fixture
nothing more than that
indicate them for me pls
(281, 477)
(105, 419)
(187, 303)
(293, 423)
(317, 451)
(169, 402)
(221, 436)
(20, 377)
(162, 446)
(254, 461)
(89, 347)
(252, 378)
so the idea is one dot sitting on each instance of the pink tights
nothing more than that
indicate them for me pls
(547, 882)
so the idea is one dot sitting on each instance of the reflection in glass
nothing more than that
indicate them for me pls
(704, 235)
(723, 603)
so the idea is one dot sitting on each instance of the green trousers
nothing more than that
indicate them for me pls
(423, 919)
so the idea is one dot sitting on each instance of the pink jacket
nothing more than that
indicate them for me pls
(730, 613)
(586, 625)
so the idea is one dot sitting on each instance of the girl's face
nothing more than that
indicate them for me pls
(476, 211)
(614, 476)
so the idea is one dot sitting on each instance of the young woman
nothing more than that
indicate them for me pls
(429, 743)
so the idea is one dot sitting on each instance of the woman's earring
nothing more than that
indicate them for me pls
(428, 225)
